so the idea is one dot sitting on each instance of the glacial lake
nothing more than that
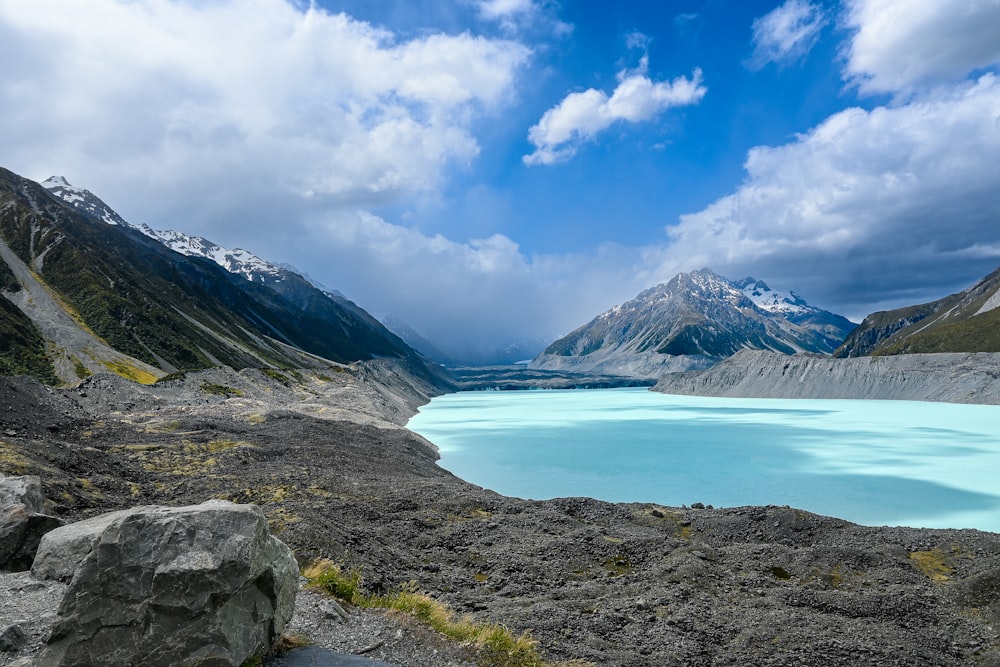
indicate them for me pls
(897, 463)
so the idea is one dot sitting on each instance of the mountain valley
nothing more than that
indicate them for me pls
(164, 369)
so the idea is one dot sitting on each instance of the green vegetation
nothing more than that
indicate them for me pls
(8, 281)
(618, 565)
(130, 372)
(976, 334)
(493, 644)
(933, 563)
(82, 372)
(219, 389)
(22, 348)
(275, 375)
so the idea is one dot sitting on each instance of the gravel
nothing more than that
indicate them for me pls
(622, 585)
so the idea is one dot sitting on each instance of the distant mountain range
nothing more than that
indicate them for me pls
(968, 321)
(692, 322)
(84, 291)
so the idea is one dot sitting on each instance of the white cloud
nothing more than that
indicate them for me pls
(901, 45)
(581, 116)
(476, 295)
(133, 96)
(496, 10)
(865, 202)
(516, 15)
(786, 34)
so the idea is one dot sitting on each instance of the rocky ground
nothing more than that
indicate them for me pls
(954, 377)
(325, 455)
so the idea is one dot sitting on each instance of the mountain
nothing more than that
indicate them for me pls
(692, 322)
(91, 293)
(968, 321)
(413, 338)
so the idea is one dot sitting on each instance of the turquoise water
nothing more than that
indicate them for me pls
(872, 462)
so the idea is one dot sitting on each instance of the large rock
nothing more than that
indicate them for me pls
(22, 521)
(26, 490)
(204, 585)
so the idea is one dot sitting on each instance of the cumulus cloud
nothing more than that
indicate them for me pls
(579, 117)
(295, 103)
(899, 45)
(863, 204)
(786, 34)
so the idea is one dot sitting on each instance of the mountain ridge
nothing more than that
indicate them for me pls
(114, 291)
(967, 321)
(691, 322)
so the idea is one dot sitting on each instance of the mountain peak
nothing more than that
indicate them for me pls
(694, 320)
(83, 200)
(56, 182)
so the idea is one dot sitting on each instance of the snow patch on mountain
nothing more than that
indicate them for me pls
(238, 261)
(771, 300)
(83, 200)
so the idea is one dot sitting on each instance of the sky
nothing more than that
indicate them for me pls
(492, 169)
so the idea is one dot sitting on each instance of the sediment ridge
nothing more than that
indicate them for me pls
(950, 377)
(326, 455)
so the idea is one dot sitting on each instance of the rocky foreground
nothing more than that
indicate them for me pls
(326, 456)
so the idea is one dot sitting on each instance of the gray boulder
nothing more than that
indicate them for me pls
(204, 585)
(22, 521)
(26, 490)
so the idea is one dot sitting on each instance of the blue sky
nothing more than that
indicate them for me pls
(487, 169)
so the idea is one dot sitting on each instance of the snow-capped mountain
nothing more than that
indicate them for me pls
(89, 293)
(238, 261)
(83, 200)
(774, 302)
(357, 334)
(693, 321)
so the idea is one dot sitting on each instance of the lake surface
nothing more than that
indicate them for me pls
(900, 463)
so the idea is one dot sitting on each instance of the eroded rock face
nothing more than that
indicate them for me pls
(22, 521)
(197, 586)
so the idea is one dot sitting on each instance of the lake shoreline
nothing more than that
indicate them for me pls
(610, 584)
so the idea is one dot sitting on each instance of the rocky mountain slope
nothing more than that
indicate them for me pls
(951, 377)
(616, 585)
(968, 321)
(692, 322)
(101, 296)
(296, 288)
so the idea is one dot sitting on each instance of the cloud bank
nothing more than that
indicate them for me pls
(305, 104)
(899, 46)
(889, 205)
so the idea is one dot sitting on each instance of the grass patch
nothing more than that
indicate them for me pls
(493, 644)
(219, 389)
(681, 527)
(129, 372)
(618, 565)
(275, 375)
(12, 462)
(183, 459)
(933, 564)
(82, 372)
(176, 375)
